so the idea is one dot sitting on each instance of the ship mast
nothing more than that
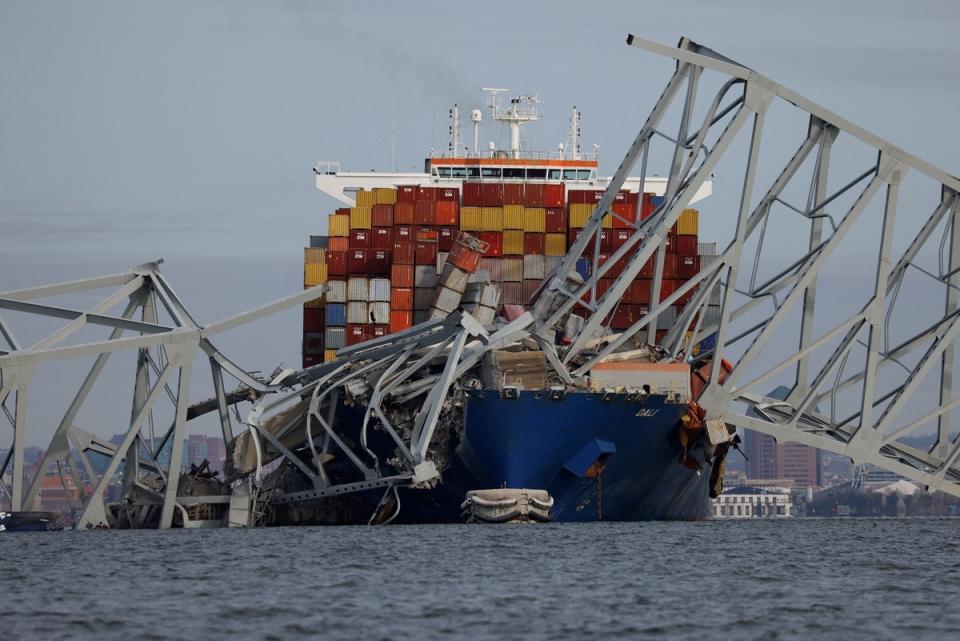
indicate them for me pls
(573, 138)
(522, 110)
(455, 131)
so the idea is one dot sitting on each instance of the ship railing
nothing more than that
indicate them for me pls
(327, 167)
(504, 154)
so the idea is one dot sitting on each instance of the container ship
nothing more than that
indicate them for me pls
(479, 233)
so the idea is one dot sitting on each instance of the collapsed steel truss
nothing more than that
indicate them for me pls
(164, 353)
(820, 366)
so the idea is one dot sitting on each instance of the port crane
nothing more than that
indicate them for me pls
(861, 382)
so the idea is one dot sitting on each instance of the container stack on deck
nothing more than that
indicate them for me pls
(385, 260)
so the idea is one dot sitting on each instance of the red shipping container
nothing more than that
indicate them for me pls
(446, 212)
(338, 244)
(465, 258)
(400, 320)
(382, 238)
(378, 262)
(313, 319)
(686, 245)
(641, 291)
(647, 270)
(533, 195)
(472, 194)
(357, 334)
(622, 317)
(688, 267)
(407, 194)
(553, 195)
(530, 287)
(404, 252)
(343, 211)
(670, 266)
(337, 263)
(403, 213)
(359, 239)
(357, 261)
(401, 275)
(495, 239)
(534, 243)
(605, 241)
(685, 298)
(602, 286)
(379, 331)
(627, 211)
(572, 235)
(667, 287)
(619, 238)
(426, 194)
(556, 220)
(492, 194)
(401, 298)
(647, 208)
(446, 237)
(448, 193)
(423, 213)
(404, 233)
(309, 360)
(427, 235)
(382, 215)
(426, 253)
(513, 193)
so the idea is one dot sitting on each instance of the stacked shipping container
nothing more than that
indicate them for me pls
(387, 260)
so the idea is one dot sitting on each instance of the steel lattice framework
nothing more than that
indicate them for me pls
(164, 354)
(820, 367)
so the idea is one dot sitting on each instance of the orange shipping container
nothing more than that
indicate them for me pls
(400, 320)
(401, 275)
(403, 213)
(445, 213)
(401, 298)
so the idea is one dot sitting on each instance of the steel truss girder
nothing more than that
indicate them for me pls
(871, 433)
(141, 287)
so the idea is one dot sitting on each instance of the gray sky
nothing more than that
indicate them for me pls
(132, 130)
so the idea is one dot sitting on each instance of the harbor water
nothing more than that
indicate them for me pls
(791, 579)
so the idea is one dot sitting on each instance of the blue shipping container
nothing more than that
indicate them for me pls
(657, 200)
(583, 267)
(336, 315)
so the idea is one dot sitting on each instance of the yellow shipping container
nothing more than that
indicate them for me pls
(556, 245)
(313, 255)
(339, 225)
(608, 221)
(535, 219)
(491, 219)
(512, 242)
(384, 196)
(695, 349)
(314, 274)
(579, 215)
(360, 218)
(329, 355)
(470, 218)
(316, 303)
(365, 198)
(689, 222)
(513, 216)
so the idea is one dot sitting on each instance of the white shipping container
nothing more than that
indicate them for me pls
(420, 316)
(485, 315)
(711, 315)
(715, 295)
(441, 260)
(533, 267)
(707, 249)
(454, 278)
(512, 269)
(490, 296)
(357, 313)
(667, 318)
(423, 298)
(551, 263)
(358, 289)
(379, 290)
(480, 276)
(337, 292)
(335, 337)
(380, 313)
(437, 314)
(447, 299)
(425, 276)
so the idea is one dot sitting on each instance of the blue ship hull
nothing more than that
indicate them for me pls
(611, 460)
